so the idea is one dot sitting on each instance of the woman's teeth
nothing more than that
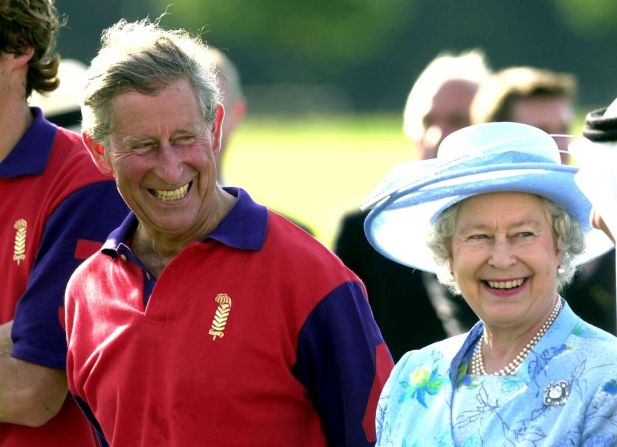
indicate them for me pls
(506, 284)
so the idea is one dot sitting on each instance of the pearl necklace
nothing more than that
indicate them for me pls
(477, 363)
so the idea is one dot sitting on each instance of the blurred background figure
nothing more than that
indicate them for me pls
(235, 105)
(529, 95)
(545, 99)
(411, 307)
(596, 154)
(438, 102)
(234, 101)
(61, 106)
(313, 97)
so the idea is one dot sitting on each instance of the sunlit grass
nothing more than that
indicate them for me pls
(315, 169)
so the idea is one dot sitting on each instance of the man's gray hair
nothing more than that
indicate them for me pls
(141, 56)
(468, 66)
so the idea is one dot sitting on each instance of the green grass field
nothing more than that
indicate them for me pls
(315, 169)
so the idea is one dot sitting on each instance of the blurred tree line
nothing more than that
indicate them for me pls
(370, 51)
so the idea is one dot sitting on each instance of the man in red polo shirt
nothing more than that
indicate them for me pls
(56, 210)
(206, 319)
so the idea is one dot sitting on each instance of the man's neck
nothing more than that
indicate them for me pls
(156, 250)
(15, 119)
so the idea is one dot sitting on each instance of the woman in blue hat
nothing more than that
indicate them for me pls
(503, 223)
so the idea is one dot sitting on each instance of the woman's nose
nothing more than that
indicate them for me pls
(502, 253)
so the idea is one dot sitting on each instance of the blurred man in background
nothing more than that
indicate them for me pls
(235, 105)
(545, 99)
(411, 307)
(56, 210)
(438, 102)
(232, 96)
(529, 95)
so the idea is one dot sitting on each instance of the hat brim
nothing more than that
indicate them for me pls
(397, 224)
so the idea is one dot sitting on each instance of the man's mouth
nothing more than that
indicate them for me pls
(170, 196)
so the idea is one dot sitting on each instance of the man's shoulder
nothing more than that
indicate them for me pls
(288, 234)
(296, 246)
(89, 273)
(70, 160)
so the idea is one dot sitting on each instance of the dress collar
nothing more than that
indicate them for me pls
(565, 324)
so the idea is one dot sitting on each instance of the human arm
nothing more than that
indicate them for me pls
(343, 362)
(30, 394)
(6, 344)
(32, 379)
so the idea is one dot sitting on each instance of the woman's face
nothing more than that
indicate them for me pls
(504, 259)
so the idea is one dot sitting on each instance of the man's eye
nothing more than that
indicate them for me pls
(184, 139)
(458, 121)
(427, 121)
(143, 147)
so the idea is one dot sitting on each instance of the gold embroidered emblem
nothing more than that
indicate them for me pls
(220, 317)
(19, 248)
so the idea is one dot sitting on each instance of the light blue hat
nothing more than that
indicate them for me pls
(475, 160)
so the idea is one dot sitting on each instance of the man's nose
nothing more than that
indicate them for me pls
(169, 164)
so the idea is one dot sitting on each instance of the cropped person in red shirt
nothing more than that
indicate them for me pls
(56, 210)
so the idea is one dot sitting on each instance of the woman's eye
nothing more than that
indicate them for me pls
(477, 237)
(526, 234)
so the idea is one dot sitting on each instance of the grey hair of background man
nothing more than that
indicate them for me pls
(568, 237)
(142, 56)
(232, 97)
(466, 66)
(494, 99)
(229, 76)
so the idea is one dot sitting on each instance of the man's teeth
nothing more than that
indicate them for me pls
(506, 284)
(176, 194)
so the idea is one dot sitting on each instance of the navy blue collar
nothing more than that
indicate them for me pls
(32, 151)
(244, 227)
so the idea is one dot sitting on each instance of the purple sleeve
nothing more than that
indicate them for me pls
(84, 218)
(343, 363)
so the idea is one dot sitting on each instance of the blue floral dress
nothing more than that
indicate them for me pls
(564, 394)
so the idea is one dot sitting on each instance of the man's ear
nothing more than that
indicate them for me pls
(23, 59)
(98, 154)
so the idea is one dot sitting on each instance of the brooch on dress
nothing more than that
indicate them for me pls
(556, 393)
